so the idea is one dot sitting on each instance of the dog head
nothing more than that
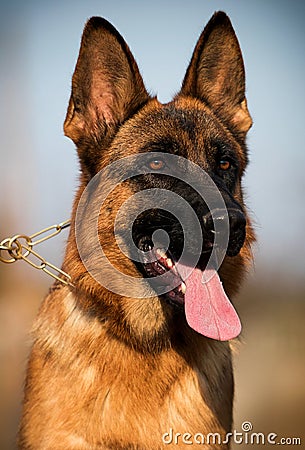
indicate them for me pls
(192, 148)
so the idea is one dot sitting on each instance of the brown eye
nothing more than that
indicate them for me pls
(224, 164)
(156, 164)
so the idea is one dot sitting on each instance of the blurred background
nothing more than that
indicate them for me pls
(39, 43)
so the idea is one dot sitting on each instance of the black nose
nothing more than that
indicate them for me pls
(237, 228)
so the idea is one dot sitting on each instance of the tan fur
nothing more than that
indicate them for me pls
(136, 396)
(109, 372)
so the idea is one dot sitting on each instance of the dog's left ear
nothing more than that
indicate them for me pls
(216, 74)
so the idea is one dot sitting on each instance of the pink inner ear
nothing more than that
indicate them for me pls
(242, 117)
(102, 99)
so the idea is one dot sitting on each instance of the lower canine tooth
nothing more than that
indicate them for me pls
(160, 252)
(183, 288)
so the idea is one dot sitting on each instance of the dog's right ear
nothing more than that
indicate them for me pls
(107, 88)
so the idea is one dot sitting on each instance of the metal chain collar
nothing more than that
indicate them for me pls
(21, 246)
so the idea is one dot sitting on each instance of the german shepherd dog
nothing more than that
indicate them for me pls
(109, 369)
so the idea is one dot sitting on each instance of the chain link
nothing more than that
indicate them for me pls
(20, 247)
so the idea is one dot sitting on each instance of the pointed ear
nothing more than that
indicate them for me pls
(216, 74)
(107, 87)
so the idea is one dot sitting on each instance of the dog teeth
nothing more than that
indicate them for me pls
(169, 263)
(160, 252)
(183, 288)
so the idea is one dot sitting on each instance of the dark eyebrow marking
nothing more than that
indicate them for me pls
(224, 150)
(165, 145)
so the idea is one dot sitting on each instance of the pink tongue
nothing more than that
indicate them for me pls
(207, 307)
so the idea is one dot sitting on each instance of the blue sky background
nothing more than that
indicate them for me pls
(39, 43)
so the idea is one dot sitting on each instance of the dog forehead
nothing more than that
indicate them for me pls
(171, 127)
(185, 127)
(189, 116)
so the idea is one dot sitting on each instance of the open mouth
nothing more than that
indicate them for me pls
(198, 289)
(158, 262)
